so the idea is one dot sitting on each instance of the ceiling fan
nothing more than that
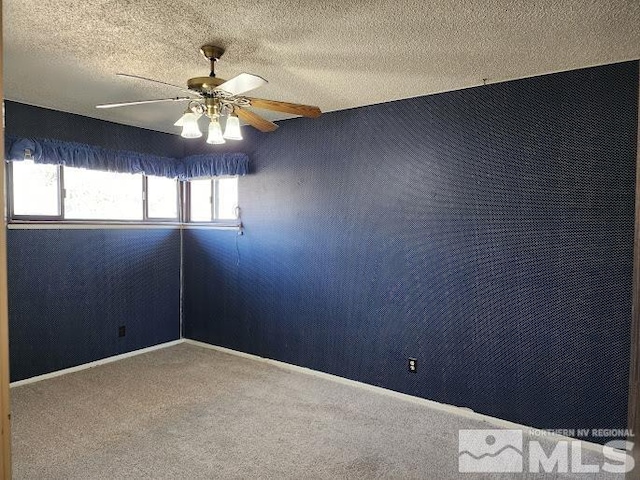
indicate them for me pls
(215, 97)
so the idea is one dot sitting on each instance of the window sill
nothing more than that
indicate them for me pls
(116, 225)
(213, 225)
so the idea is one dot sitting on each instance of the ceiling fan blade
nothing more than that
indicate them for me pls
(143, 102)
(285, 107)
(255, 120)
(138, 77)
(242, 83)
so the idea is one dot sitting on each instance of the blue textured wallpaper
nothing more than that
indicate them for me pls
(70, 290)
(486, 232)
(29, 121)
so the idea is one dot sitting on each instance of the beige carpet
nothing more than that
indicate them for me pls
(187, 412)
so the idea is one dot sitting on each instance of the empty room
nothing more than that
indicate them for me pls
(324, 240)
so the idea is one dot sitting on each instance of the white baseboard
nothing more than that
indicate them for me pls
(102, 361)
(460, 411)
(452, 409)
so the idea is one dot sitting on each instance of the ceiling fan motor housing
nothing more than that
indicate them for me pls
(204, 85)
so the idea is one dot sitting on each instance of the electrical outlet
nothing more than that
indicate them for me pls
(122, 331)
(412, 364)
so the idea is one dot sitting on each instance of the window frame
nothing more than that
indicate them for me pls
(145, 203)
(188, 202)
(236, 222)
(215, 200)
(38, 218)
(99, 220)
(183, 199)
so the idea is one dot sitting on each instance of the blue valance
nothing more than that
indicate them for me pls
(92, 157)
(215, 165)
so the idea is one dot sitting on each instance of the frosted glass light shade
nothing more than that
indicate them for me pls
(215, 132)
(232, 129)
(190, 127)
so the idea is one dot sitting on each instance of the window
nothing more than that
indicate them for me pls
(161, 194)
(213, 200)
(200, 200)
(95, 195)
(54, 192)
(36, 190)
(225, 198)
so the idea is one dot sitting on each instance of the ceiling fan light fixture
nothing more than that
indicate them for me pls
(232, 128)
(216, 97)
(190, 128)
(215, 133)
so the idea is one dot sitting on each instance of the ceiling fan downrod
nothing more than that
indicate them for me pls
(213, 54)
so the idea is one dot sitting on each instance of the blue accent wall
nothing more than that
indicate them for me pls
(29, 121)
(70, 290)
(486, 232)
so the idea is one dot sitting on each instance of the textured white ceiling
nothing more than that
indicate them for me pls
(63, 54)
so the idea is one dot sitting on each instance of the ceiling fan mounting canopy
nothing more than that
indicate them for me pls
(212, 52)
